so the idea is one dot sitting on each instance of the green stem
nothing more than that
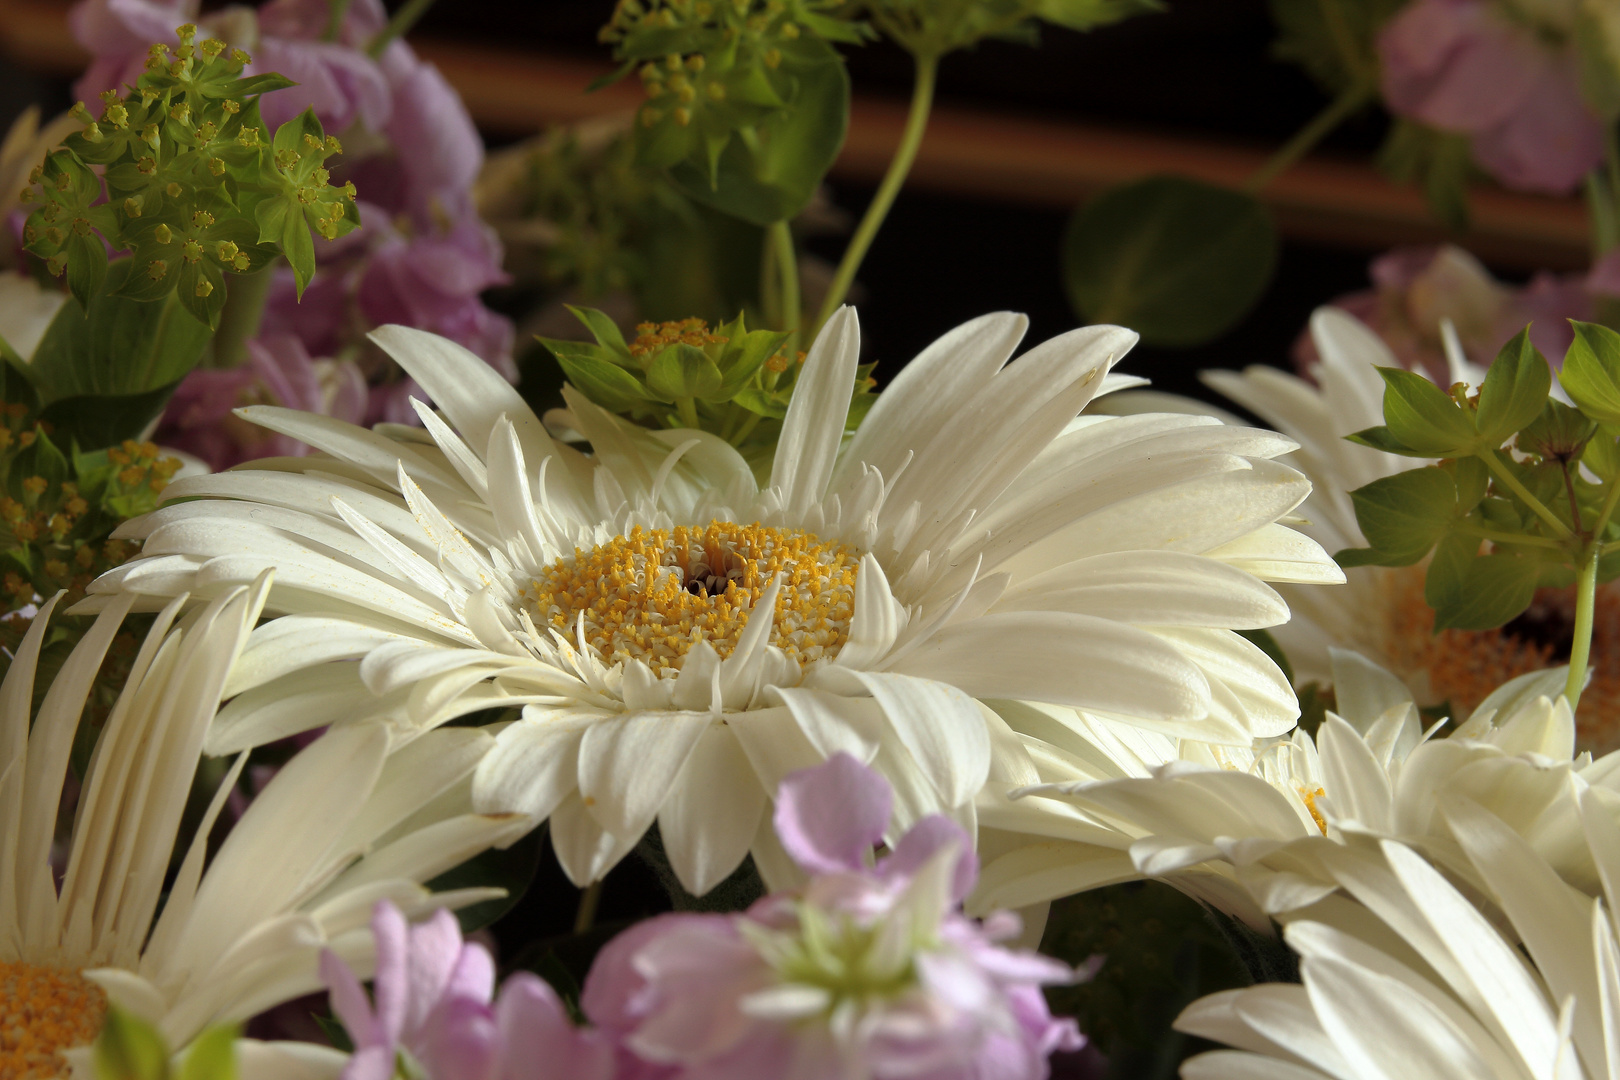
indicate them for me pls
(245, 298)
(334, 24)
(922, 100)
(1504, 474)
(1337, 112)
(688, 411)
(398, 26)
(787, 276)
(585, 916)
(1585, 604)
(1610, 499)
(746, 430)
(1509, 538)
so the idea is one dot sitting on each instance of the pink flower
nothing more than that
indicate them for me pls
(279, 371)
(870, 971)
(433, 1009)
(1460, 66)
(1415, 288)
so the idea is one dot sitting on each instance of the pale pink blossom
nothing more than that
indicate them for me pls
(434, 1008)
(869, 971)
(1464, 66)
(1415, 288)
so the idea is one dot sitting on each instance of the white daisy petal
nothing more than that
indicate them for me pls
(709, 819)
(628, 765)
(814, 425)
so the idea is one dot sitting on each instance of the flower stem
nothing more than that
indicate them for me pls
(1504, 474)
(245, 298)
(1610, 499)
(585, 915)
(334, 24)
(398, 26)
(922, 100)
(787, 276)
(1337, 112)
(1585, 604)
(688, 412)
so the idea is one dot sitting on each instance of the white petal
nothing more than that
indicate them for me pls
(710, 817)
(534, 764)
(1064, 658)
(628, 764)
(814, 426)
(585, 850)
(941, 726)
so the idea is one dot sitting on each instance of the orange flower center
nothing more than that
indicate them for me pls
(1461, 667)
(653, 595)
(43, 1011)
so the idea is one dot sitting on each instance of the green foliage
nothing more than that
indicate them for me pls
(182, 179)
(1335, 41)
(1495, 525)
(1438, 162)
(1176, 260)
(511, 869)
(733, 382)
(747, 101)
(131, 1049)
(935, 27)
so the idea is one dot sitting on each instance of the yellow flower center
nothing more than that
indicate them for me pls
(43, 1011)
(1462, 666)
(656, 593)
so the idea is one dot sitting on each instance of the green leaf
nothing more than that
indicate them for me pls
(609, 385)
(1494, 589)
(1591, 372)
(98, 420)
(258, 84)
(1602, 454)
(1424, 417)
(120, 346)
(1440, 162)
(1515, 390)
(1333, 42)
(1176, 260)
(769, 403)
(744, 361)
(212, 1055)
(685, 371)
(792, 149)
(1444, 583)
(1379, 438)
(1473, 479)
(1404, 515)
(603, 329)
(87, 265)
(1086, 14)
(299, 249)
(129, 1049)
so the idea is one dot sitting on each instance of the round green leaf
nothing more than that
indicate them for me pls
(684, 372)
(1176, 260)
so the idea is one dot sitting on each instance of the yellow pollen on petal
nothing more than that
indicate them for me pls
(1310, 798)
(43, 1011)
(654, 594)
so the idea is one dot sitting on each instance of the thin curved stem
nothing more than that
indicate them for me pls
(398, 26)
(922, 101)
(585, 915)
(787, 276)
(1337, 112)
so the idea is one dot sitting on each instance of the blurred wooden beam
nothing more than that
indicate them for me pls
(977, 154)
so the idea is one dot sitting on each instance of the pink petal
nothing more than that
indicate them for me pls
(919, 844)
(349, 1002)
(534, 1027)
(459, 1041)
(390, 985)
(434, 948)
(372, 1063)
(1551, 141)
(830, 817)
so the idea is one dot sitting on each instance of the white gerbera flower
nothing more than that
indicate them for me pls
(973, 539)
(1382, 613)
(1411, 979)
(332, 833)
(1251, 830)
